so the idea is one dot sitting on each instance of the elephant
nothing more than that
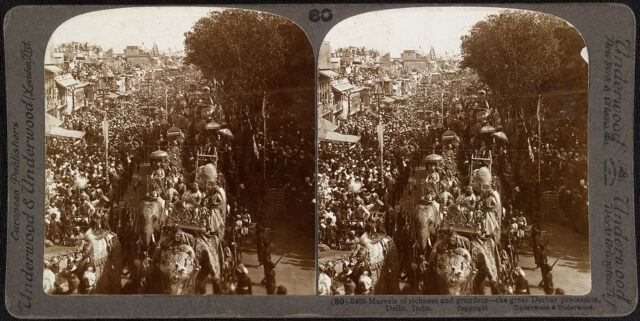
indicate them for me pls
(424, 226)
(148, 222)
(182, 262)
(102, 254)
(381, 256)
(460, 265)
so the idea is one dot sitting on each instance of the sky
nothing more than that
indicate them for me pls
(118, 28)
(408, 28)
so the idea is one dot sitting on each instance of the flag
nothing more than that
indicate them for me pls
(538, 115)
(105, 131)
(530, 150)
(381, 136)
(354, 186)
(255, 147)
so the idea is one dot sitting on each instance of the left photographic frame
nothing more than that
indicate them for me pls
(180, 154)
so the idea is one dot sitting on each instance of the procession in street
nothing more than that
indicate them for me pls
(444, 163)
(169, 174)
(441, 173)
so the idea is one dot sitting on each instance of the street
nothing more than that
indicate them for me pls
(297, 268)
(572, 272)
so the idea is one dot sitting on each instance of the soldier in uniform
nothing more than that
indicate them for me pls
(259, 242)
(522, 285)
(270, 275)
(547, 277)
(266, 262)
(244, 281)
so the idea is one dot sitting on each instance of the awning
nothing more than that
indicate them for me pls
(53, 69)
(66, 82)
(61, 132)
(52, 120)
(329, 73)
(357, 89)
(388, 100)
(327, 125)
(342, 87)
(337, 137)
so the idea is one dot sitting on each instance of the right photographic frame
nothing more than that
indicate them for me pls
(452, 154)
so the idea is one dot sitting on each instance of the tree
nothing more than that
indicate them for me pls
(523, 53)
(247, 53)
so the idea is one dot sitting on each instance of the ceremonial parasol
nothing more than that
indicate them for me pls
(500, 136)
(207, 111)
(173, 131)
(487, 129)
(433, 158)
(226, 132)
(159, 154)
(448, 135)
(213, 125)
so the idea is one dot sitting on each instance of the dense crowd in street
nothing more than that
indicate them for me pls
(87, 185)
(83, 185)
(360, 197)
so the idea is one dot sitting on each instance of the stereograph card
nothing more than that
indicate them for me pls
(320, 160)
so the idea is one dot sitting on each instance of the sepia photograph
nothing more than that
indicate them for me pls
(180, 154)
(452, 154)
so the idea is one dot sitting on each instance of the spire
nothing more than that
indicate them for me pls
(155, 51)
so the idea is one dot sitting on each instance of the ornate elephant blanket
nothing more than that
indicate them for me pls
(102, 248)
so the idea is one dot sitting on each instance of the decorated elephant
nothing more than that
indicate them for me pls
(460, 265)
(148, 222)
(381, 256)
(182, 262)
(426, 221)
(101, 266)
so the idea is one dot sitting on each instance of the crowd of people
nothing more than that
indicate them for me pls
(360, 193)
(160, 150)
(84, 179)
